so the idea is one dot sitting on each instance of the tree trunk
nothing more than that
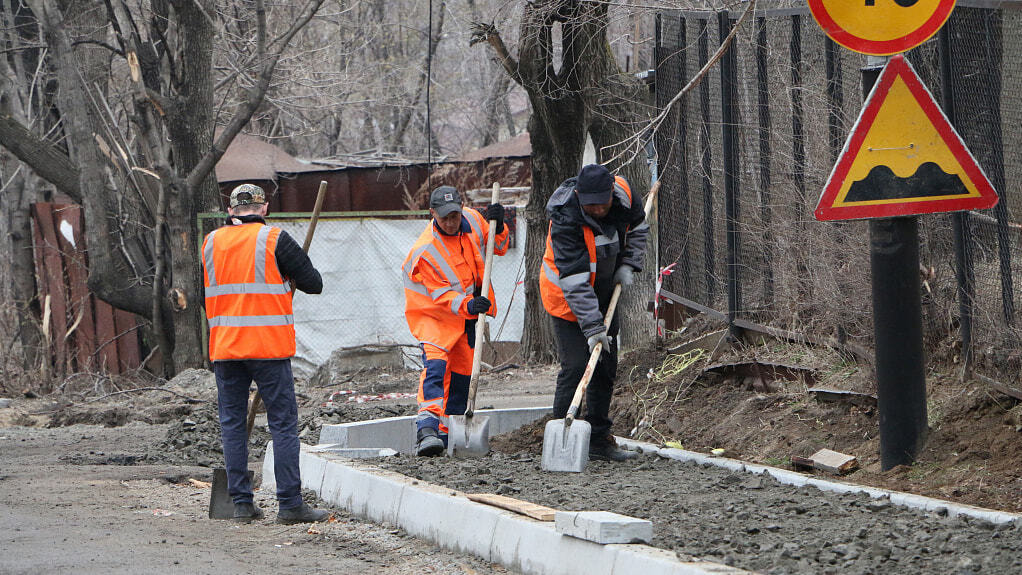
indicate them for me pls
(191, 125)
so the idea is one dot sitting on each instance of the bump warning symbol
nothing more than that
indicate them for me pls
(903, 157)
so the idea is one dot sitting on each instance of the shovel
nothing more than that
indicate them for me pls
(566, 441)
(221, 506)
(469, 435)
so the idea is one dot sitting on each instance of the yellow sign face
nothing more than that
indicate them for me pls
(881, 27)
(903, 157)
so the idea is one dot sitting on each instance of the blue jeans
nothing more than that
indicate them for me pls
(276, 386)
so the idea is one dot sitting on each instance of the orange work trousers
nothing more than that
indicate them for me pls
(443, 385)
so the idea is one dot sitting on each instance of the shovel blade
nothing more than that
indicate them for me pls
(566, 448)
(221, 505)
(468, 436)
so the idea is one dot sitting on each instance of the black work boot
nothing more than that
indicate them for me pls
(247, 512)
(302, 514)
(606, 449)
(428, 443)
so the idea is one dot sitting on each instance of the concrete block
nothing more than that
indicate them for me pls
(529, 546)
(312, 469)
(376, 495)
(354, 452)
(639, 559)
(440, 514)
(269, 481)
(4, 402)
(603, 527)
(397, 433)
(510, 419)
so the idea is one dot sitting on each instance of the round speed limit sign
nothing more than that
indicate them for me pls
(881, 27)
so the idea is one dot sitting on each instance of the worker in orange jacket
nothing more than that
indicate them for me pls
(596, 240)
(443, 276)
(247, 266)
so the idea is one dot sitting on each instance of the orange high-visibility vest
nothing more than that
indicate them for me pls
(248, 302)
(436, 314)
(550, 290)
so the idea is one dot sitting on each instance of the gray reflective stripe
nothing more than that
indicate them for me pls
(253, 288)
(445, 269)
(260, 254)
(592, 267)
(602, 240)
(621, 193)
(439, 292)
(207, 256)
(415, 287)
(550, 274)
(456, 303)
(436, 346)
(573, 281)
(251, 320)
(479, 233)
(641, 227)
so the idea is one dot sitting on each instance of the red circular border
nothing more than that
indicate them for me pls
(885, 47)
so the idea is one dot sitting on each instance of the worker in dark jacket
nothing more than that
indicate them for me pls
(596, 239)
(247, 266)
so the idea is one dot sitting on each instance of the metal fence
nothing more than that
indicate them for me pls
(743, 158)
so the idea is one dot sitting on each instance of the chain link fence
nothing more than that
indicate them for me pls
(359, 256)
(743, 158)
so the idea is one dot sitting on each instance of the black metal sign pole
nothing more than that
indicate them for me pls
(897, 326)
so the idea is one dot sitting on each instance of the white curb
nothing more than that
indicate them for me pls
(801, 480)
(448, 519)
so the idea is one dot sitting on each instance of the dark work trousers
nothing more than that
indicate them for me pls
(276, 386)
(573, 351)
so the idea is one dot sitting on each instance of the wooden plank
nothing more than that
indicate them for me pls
(834, 462)
(127, 340)
(53, 275)
(106, 336)
(533, 510)
(82, 340)
(1001, 387)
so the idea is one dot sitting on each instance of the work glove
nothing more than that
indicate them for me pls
(599, 338)
(625, 276)
(495, 212)
(478, 305)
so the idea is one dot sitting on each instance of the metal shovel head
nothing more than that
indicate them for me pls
(468, 436)
(566, 448)
(221, 505)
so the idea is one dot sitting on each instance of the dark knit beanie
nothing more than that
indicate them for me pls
(594, 184)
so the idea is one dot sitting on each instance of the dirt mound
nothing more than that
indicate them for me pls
(527, 439)
(970, 456)
(117, 415)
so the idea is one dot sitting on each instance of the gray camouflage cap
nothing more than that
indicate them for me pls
(247, 194)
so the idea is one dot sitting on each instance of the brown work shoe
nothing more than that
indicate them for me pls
(302, 514)
(247, 512)
(606, 449)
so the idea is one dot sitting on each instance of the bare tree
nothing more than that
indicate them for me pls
(586, 95)
(135, 98)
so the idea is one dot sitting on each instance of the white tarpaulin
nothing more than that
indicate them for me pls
(363, 299)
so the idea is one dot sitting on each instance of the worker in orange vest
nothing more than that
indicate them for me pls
(596, 239)
(247, 266)
(443, 277)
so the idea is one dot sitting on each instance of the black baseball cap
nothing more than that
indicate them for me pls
(445, 200)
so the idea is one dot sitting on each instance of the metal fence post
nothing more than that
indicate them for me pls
(765, 156)
(797, 129)
(706, 163)
(729, 126)
(964, 274)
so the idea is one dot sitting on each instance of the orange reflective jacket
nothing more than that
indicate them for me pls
(248, 303)
(440, 276)
(551, 284)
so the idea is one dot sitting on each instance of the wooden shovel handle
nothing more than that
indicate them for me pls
(320, 195)
(594, 358)
(477, 356)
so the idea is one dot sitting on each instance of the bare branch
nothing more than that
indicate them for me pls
(45, 158)
(488, 33)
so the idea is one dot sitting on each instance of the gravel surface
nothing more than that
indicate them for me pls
(749, 521)
(119, 518)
